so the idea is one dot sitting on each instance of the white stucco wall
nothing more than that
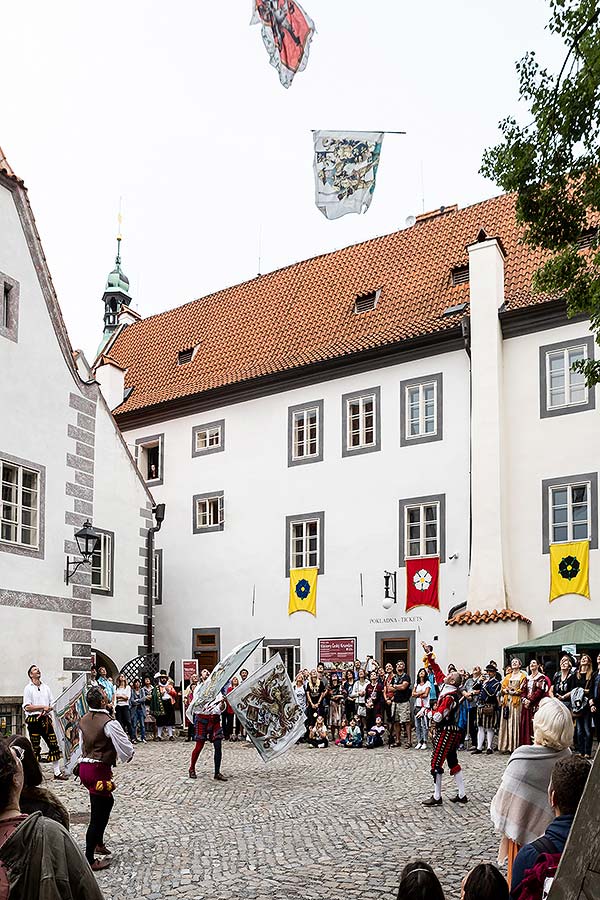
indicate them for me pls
(42, 619)
(208, 579)
(541, 448)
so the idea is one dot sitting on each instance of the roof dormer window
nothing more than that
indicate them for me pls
(366, 302)
(185, 356)
(460, 275)
(587, 239)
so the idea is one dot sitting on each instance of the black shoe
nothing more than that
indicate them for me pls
(476, 751)
(458, 799)
(220, 777)
(489, 751)
(432, 802)
(192, 773)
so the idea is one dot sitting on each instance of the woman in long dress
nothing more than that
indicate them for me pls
(534, 690)
(510, 718)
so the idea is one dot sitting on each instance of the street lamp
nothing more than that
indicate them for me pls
(87, 542)
(389, 585)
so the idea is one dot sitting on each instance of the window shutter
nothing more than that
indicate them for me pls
(221, 511)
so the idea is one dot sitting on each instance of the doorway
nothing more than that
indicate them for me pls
(101, 659)
(289, 650)
(206, 647)
(393, 646)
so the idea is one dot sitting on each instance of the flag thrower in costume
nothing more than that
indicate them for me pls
(422, 582)
(287, 32)
(265, 705)
(345, 167)
(303, 591)
(570, 569)
(448, 735)
(220, 675)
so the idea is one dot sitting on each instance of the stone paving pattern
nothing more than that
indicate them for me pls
(331, 823)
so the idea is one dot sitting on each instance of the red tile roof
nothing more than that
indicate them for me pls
(496, 615)
(304, 314)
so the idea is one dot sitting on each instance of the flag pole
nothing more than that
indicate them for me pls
(357, 131)
(253, 597)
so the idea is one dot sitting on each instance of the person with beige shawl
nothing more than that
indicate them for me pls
(520, 810)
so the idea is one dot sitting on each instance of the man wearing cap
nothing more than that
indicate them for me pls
(162, 705)
(486, 691)
(449, 736)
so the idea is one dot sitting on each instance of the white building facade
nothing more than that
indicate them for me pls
(63, 462)
(404, 397)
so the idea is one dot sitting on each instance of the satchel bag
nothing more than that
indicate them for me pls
(488, 709)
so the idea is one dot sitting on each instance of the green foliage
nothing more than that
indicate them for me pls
(553, 163)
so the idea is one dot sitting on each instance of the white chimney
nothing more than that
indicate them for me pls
(487, 587)
(111, 378)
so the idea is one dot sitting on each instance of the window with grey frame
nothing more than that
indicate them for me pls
(305, 542)
(208, 438)
(563, 389)
(208, 512)
(423, 527)
(305, 433)
(150, 453)
(9, 307)
(102, 563)
(20, 508)
(361, 425)
(421, 410)
(570, 510)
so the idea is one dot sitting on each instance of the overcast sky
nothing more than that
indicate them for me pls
(174, 107)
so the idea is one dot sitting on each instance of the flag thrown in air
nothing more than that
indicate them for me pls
(208, 690)
(265, 705)
(345, 170)
(287, 32)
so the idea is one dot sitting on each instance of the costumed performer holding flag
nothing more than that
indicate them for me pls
(206, 719)
(449, 736)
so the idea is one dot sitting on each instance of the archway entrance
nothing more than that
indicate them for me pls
(103, 660)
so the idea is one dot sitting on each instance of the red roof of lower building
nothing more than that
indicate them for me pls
(495, 615)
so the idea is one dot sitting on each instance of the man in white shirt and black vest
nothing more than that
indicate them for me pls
(38, 705)
(102, 741)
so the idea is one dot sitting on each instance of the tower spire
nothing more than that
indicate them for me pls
(116, 296)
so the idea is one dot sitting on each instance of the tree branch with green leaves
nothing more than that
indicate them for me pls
(553, 164)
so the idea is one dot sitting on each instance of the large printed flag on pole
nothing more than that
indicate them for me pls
(223, 672)
(287, 32)
(303, 591)
(345, 167)
(570, 569)
(265, 705)
(70, 707)
(422, 582)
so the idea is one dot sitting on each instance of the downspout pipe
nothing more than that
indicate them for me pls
(159, 515)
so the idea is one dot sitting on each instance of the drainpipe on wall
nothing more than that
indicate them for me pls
(159, 515)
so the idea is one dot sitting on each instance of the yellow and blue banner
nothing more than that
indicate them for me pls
(570, 569)
(303, 591)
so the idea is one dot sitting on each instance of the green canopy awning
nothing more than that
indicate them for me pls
(582, 633)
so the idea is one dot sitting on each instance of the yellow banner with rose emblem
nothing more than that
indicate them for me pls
(570, 569)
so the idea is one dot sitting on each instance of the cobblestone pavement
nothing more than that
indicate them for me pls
(332, 823)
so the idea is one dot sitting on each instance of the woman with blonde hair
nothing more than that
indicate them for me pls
(520, 810)
(510, 713)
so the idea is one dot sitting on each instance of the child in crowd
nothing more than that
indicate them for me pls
(353, 736)
(377, 734)
(343, 732)
(318, 733)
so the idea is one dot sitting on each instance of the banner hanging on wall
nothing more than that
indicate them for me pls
(422, 582)
(570, 569)
(303, 591)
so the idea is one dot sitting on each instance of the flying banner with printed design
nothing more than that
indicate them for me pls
(287, 32)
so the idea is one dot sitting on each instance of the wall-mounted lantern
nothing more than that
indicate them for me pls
(87, 542)
(389, 586)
